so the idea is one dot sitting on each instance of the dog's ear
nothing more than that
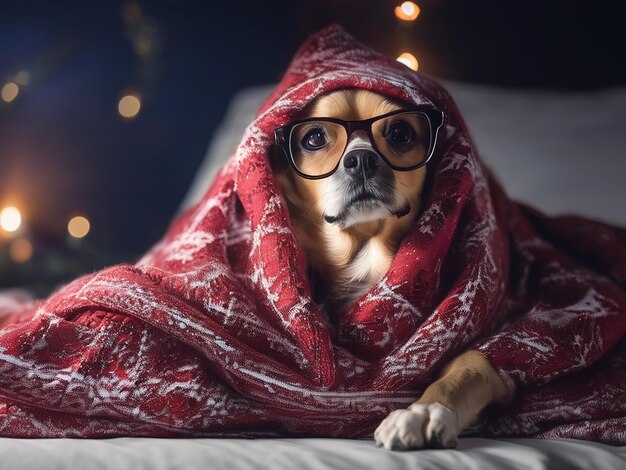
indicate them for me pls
(278, 159)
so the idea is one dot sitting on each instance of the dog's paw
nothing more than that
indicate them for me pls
(421, 425)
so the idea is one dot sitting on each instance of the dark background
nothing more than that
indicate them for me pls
(64, 148)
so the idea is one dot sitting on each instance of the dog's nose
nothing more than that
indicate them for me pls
(361, 161)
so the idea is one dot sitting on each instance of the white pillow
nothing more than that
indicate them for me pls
(560, 152)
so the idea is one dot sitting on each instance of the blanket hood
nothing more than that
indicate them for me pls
(331, 60)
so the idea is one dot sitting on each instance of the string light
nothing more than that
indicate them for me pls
(78, 226)
(408, 11)
(9, 92)
(21, 250)
(129, 106)
(409, 60)
(10, 219)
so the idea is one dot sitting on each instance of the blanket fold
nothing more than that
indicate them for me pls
(214, 331)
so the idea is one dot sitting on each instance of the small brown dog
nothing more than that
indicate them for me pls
(352, 173)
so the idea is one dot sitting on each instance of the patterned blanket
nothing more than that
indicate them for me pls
(213, 331)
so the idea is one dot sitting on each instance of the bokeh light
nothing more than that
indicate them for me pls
(9, 92)
(131, 11)
(408, 11)
(409, 60)
(129, 106)
(21, 250)
(22, 78)
(10, 219)
(78, 226)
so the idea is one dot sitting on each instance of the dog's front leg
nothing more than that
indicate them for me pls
(449, 405)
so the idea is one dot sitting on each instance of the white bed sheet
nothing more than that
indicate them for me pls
(302, 454)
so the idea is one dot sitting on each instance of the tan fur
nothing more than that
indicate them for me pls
(350, 260)
(467, 385)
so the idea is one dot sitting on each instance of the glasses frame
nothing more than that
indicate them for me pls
(282, 137)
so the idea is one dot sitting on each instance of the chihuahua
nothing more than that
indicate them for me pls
(353, 171)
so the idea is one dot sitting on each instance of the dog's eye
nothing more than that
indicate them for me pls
(400, 134)
(314, 139)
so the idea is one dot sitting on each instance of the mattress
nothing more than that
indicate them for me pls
(302, 454)
(559, 152)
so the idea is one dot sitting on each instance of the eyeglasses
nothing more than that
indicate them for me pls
(405, 140)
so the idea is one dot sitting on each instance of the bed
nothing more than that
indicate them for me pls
(559, 152)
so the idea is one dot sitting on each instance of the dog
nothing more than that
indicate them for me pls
(352, 170)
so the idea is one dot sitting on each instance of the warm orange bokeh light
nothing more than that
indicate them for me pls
(408, 11)
(9, 92)
(21, 250)
(78, 226)
(409, 60)
(129, 106)
(10, 219)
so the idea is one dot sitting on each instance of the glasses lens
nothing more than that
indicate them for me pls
(403, 138)
(316, 146)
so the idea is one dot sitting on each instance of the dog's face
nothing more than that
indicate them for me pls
(364, 188)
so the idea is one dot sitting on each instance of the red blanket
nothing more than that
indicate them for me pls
(214, 331)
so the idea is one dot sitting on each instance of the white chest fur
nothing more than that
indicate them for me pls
(359, 272)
